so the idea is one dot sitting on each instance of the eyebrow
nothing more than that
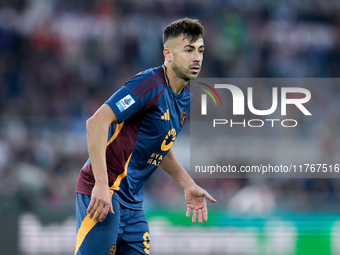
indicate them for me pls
(193, 47)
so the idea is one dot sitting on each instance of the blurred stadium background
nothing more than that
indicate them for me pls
(59, 60)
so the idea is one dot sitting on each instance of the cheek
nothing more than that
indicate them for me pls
(181, 57)
(185, 58)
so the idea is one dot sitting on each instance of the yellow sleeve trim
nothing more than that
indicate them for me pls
(116, 184)
(118, 129)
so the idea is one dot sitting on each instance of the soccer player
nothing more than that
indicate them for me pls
(128, 137)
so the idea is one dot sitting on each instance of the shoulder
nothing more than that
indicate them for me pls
(149, 82)
(147, 75)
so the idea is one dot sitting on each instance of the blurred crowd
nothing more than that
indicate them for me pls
(60, 60)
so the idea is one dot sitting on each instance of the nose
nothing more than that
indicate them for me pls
(198, 57)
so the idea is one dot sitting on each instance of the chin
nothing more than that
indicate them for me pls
(194, 76)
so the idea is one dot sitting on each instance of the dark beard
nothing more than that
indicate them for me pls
(180, 74)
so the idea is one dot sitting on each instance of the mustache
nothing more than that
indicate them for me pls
(195, 65)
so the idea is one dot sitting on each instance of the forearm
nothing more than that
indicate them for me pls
(96, 145)
(97, 128)
(97, 133)
(171, 165)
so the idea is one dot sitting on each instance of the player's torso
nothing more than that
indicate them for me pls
(157, 133)
(160, 128)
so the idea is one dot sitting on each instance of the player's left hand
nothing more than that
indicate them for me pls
(195, 197)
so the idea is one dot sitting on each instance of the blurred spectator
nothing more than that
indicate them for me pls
(256, 200)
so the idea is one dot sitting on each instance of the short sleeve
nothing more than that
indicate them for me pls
(124, 103)
(137, 94)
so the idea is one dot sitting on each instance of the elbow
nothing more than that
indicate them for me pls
(89, 122)
(96, 124)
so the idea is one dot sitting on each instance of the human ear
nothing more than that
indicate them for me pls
(167, 54)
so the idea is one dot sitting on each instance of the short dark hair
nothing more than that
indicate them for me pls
(189, 28)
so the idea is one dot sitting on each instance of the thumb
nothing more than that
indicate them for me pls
(111, 209)
(209, 197)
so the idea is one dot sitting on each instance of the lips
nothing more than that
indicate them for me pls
(195, 67)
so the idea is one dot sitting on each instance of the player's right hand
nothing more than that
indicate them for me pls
(101, 203)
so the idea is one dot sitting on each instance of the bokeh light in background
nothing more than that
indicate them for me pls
(60, 60)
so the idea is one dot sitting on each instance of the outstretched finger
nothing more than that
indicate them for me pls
(199, 216)
(194, 216)
(188, 212)
(205, 214)
(209, 197)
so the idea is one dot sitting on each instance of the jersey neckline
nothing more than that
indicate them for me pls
(173, 93)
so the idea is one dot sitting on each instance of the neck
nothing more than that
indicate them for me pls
(177, 84)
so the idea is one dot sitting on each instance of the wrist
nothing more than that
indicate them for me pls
(102, 181)
(189, 184)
